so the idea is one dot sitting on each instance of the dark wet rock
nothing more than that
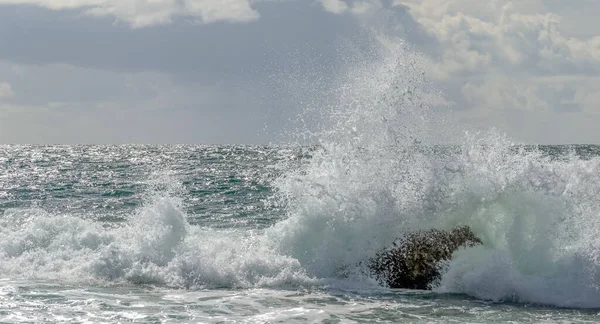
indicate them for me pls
(413, 262)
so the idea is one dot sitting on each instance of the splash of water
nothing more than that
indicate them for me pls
(538, 218)
(157, 246)
(375, 175)
(358, 191)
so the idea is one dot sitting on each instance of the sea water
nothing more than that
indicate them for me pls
(277, 233)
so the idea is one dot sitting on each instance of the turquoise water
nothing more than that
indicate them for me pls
(108, 183)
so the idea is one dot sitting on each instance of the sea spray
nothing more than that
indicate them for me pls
(378, 173)
(538, 219)
(360, 190)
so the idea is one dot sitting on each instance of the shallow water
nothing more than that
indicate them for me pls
(39, 302)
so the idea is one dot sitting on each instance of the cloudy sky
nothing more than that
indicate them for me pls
(207, 71)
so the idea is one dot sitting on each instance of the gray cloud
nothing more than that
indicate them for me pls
(146, 108)
(183, 82)
(148, 70)
(514, 65)
(193, 53)
(503, 59)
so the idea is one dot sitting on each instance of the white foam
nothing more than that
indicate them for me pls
(156, 247)
(539, 217)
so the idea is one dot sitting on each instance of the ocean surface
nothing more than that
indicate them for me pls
(179, 234)
(280, 233)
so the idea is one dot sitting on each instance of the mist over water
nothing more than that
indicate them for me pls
(305, 217)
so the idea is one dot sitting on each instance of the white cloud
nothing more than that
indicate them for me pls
(356, 7)
(491, 34)
(335, 6)
(511, 55)
(6, 90)
(476, 36)
(143, 13)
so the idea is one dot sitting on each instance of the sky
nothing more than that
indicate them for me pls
(212, 71)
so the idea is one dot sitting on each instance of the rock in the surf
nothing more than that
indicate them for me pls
(414, 259)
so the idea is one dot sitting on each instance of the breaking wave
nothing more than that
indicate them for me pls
(379, 171)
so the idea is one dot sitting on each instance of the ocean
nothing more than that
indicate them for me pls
(180, 233)
(280, 233)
